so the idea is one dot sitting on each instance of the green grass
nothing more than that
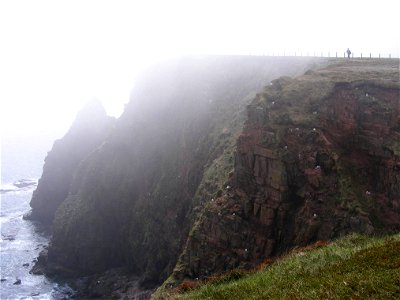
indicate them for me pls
(354, 267)
(395, 147)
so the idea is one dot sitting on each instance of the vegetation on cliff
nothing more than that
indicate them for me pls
(88, 131)
(133, 200)
(355, 266)
(207, 172)
(313, 162)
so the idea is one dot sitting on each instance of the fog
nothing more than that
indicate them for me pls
(57, 55)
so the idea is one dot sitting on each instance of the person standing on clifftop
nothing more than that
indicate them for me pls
(348, 52)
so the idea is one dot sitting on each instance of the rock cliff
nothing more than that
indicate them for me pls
(318, 158)
(88, 131)
(180, 187)
(132, 201)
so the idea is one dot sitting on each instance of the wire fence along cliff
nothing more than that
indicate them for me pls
(328, 54)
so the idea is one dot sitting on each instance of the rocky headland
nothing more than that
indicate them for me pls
(88, 131)
(318, 158)
(219, 163)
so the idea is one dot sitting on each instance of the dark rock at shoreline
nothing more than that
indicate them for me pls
(17, 282)
(23, 183)
(115, 283)
(9, 237)
(39, 264)
(43, 266)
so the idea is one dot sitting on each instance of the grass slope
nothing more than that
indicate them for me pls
(354, 267)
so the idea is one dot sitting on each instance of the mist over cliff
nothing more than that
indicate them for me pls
(214, 166)
(88, 131)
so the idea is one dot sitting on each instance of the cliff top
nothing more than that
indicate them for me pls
(318, 83)
(379, 70)
(92, 112)
(354, 266)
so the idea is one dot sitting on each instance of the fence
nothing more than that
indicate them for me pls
(336, 54)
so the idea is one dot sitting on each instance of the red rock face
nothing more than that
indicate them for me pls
(130, 201)
(363, 121)
(295, 183)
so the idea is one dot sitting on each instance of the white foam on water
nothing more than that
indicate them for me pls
(20, 244)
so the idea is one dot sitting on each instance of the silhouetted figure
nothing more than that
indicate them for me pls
(348, 52)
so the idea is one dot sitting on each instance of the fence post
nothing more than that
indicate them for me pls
(361, 55)
(390, 55)
(379, 55)
(370, 55)
(336, 54)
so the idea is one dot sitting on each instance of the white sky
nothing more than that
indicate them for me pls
(56, 55)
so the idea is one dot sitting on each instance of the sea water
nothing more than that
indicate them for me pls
(22, 240)
(20, 243)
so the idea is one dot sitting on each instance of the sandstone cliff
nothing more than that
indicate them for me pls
(130, 202)
(318, 158)
(179, 186)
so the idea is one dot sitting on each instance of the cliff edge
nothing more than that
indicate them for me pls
(318, 158)
(216, 164)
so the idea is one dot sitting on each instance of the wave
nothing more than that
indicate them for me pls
(19, 185)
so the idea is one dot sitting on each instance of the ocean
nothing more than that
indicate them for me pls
(22, 160)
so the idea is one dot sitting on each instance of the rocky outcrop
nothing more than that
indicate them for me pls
(132, 201)
(88, 131)
(318, 158)
(179, 176)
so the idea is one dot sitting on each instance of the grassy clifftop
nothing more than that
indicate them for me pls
(356, 267)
